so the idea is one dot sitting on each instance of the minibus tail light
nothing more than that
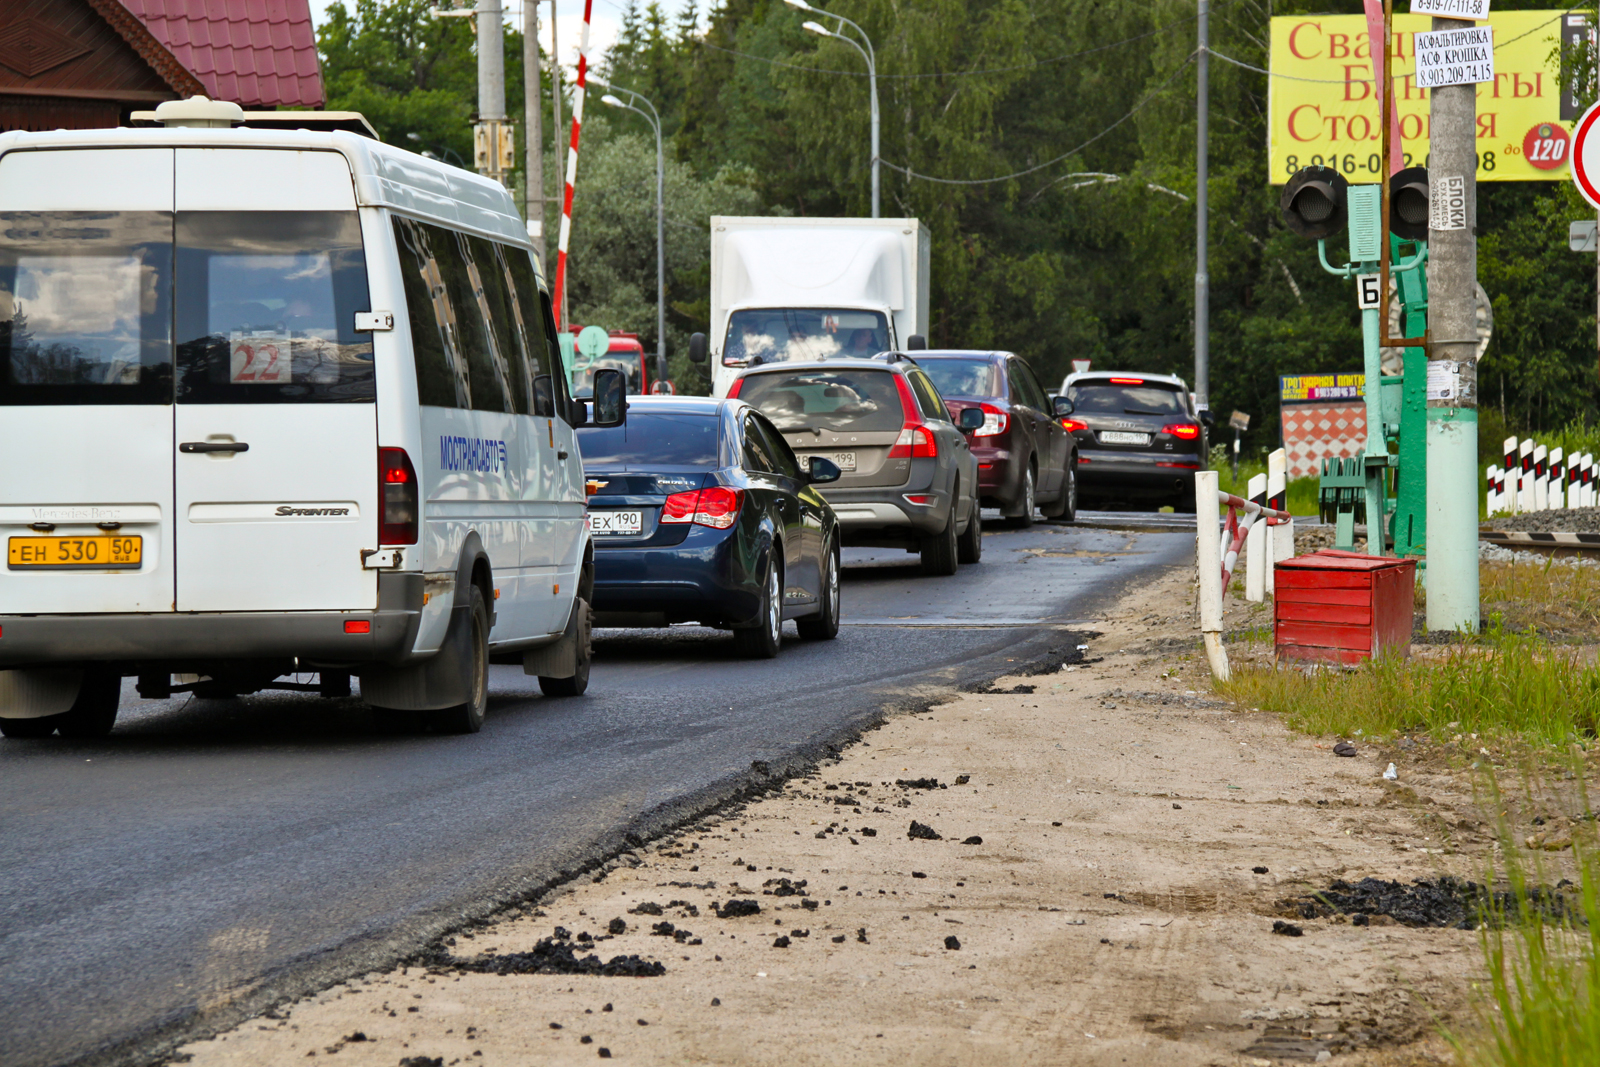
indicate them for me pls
(397, 483)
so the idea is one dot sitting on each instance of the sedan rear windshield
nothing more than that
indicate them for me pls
(1104, 398)
(654, 441)
(860, 400)
(962, 377)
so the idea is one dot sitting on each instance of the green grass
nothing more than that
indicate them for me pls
(1514, 687)
(1540, 1006)
(1302, 492)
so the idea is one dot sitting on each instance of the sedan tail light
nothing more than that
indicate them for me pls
(995, 422)
(915, 442)
(1186, 431)
(397, 483)
(716, 506)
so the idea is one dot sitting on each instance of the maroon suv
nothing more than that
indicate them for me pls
(1026, 458)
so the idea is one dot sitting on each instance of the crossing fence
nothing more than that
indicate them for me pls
(1535, 478)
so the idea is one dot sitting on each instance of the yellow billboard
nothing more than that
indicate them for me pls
(1323, 111)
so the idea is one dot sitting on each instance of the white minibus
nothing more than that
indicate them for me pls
(274, 403)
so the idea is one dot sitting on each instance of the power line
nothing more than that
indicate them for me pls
(1140, 106)
(954, 73)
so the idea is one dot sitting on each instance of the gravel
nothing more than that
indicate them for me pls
(1573, 520)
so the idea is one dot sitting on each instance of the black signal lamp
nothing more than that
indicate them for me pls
(1313, 203)
(1408, 204)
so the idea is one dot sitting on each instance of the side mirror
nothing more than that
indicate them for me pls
(823, 470)
(697, 348)
(970, 419)
(610, 397)
(578, 413)
(1062, 406)
(1208, 420)
(916, 343)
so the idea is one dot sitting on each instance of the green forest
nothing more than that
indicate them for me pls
(1088, 253)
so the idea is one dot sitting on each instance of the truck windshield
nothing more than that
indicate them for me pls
(783, 335)
(626, 362)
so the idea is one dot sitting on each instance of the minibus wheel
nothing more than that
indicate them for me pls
(468, 718)
(94, 713)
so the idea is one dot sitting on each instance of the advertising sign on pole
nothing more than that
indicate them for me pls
(1323, 110)
(1452, 9)
(1455, 57)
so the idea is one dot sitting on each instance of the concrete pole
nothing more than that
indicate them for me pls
(1452, 575)
(1202, 224)
(491, 63)
(533, 105)
(555, 131)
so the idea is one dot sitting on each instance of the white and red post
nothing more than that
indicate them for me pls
(559, 290)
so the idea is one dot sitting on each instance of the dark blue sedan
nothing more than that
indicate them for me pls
(700, 512)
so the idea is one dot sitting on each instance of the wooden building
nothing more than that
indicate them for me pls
(77, 64)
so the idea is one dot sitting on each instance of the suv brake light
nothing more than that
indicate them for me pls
(397, 484)
(1073, 425)
(995, 422)
(915, 442)
(1184, 430)
(716, 506)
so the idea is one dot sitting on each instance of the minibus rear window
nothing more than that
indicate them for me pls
(266, 308)
(84, 307)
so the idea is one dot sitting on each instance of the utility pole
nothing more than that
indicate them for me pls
(533, 105)
(1202, 209)
(1452, 575)
(493, 135)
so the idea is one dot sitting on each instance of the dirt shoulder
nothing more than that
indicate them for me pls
(1114, 849)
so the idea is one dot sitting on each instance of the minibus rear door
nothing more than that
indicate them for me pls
(276, 418)
(86, 380)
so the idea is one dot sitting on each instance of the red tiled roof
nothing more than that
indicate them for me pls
(256, 53)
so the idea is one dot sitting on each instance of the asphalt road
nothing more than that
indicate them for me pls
(212, 857)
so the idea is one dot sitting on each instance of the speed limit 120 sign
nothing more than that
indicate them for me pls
(1586, 156)
(1545, 146)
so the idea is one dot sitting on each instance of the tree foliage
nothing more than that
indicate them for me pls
(1086, 252)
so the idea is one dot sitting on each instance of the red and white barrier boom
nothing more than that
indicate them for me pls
(560, 287)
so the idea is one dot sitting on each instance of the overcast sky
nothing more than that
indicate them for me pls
(605, 20)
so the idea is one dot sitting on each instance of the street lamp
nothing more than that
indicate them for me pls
(654, 119)
(867, 54)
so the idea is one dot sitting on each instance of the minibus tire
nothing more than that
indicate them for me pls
(468, 718)
(583, 651)
(29, 729)
(94, 713)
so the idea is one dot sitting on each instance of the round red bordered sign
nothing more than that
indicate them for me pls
(1546, 146)
(1586, 155)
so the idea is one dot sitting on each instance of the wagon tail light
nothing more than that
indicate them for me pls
(716, 506)
(733, 390)
(995, 422)
(1182, 430)
(397, 482)
(916, 441)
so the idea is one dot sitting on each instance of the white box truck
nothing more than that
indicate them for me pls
(804, 288)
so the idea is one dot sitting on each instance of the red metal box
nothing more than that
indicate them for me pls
(1343, 607)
